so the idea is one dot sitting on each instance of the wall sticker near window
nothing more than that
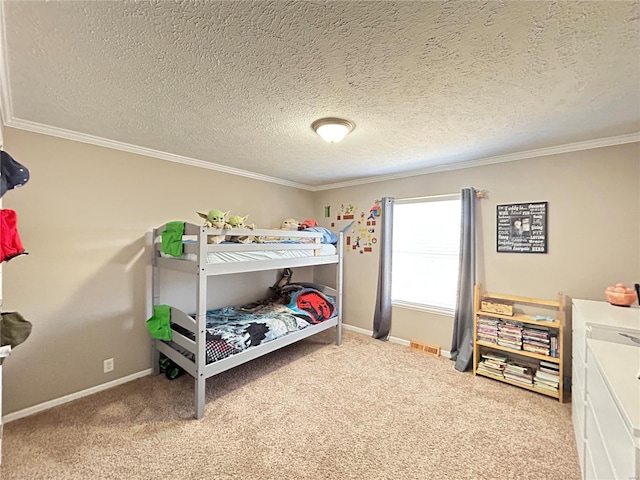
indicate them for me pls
(360, 237)
(522, 228)
(348, 212)
(365, 238)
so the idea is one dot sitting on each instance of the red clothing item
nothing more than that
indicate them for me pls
(308, 223)
(10, 243)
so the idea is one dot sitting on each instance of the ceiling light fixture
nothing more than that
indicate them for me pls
(332, 130)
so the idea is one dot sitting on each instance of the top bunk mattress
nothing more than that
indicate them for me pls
(257, 255)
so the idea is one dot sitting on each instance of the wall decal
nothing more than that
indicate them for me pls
(361, 235)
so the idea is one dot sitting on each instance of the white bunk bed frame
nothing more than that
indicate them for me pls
(198, 368)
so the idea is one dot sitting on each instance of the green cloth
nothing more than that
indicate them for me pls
(160, 324)
(14, 329)
(172, 238)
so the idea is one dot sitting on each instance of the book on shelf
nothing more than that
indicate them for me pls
(510, 328)
(549, 385)
(549, 370)
(488, 320)
(536, 343)
(545, 387)
(547, 376)
(487, 339)
(525, 380)
(511, 345)
(516, 368)
(534, 333)
(535, 349)
(494, 356)
(554, 352)
(552, 366)
(518, 373)
(547, 379)
(492, 363)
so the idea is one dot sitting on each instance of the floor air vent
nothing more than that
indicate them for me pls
(425, 348)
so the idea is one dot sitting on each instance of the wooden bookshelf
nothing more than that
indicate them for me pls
(552, 308)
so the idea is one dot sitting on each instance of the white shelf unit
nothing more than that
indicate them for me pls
(605, 389)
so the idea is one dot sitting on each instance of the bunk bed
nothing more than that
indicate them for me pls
(191, 343)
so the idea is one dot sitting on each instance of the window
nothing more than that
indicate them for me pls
(426, 246)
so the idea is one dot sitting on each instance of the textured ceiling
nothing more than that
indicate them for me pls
(238, 83)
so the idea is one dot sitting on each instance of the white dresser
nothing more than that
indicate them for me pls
(606, 389)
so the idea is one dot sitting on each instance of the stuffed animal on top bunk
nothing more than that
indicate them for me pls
(287, 224)
(308, 223)
(311, 225)
(215, 219)
(237, 222)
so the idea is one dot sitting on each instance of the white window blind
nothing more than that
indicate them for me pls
(426, 246)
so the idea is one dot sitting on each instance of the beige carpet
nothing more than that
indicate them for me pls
(365, 410)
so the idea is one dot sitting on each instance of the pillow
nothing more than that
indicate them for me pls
(313, 304)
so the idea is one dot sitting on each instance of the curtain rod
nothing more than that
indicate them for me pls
(479, 194)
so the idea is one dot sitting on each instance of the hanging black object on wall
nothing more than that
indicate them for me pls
(12, 173)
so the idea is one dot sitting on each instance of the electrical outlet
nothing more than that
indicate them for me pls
(108, 365)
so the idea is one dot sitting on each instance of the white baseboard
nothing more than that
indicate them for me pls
(105, 386)
(74, 396)
(401, 341)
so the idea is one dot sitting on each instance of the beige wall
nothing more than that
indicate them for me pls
(593, 231)
(84, 214)
(83, 218)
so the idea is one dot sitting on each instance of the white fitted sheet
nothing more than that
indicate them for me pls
(250, 256)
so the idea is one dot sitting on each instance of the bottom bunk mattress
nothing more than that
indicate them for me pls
(231, 330)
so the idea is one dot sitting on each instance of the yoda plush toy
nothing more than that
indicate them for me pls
(287, 224)
(237, 221)
(215, 219)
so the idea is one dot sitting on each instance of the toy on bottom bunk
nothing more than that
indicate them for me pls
(215, 219)
(237, 221)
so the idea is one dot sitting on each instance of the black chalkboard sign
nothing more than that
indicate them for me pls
(522, 228)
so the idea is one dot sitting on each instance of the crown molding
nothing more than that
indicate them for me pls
(148, 152)
(510, 157)
(445, 167)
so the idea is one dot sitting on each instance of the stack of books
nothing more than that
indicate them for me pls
(510, 335)
(536, 340)
(547, 376)
(518, 373)
(492, 363)
(487, 329)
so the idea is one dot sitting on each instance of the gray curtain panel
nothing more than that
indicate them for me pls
(382, 312)
(462, 342)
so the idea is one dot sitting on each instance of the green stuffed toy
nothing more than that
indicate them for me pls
(237, 222)
(215, 219)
